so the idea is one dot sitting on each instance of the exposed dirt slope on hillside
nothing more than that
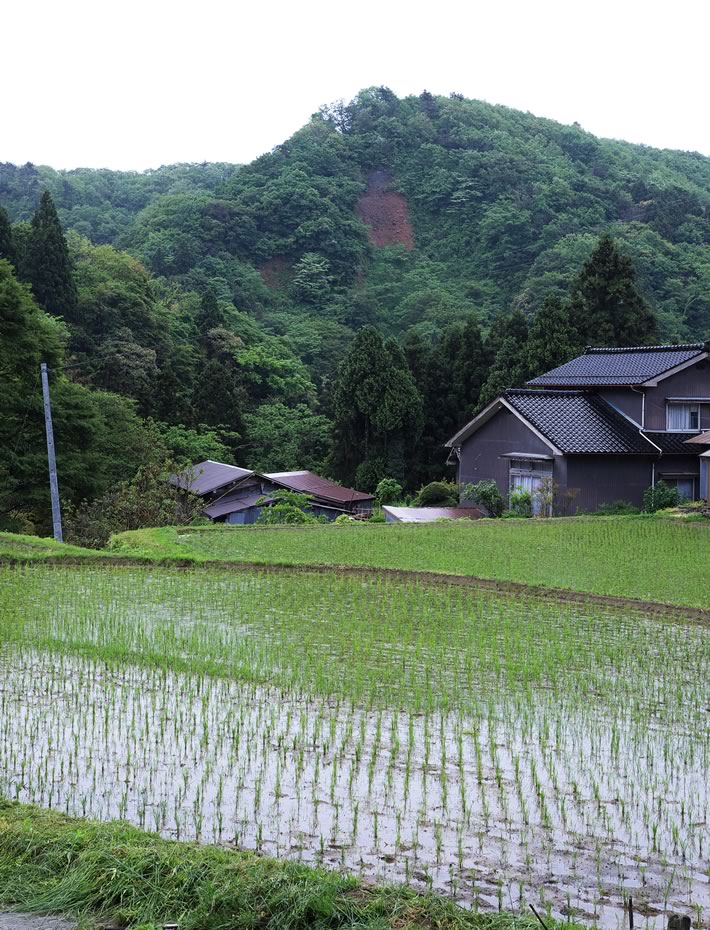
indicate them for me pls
(385, 212)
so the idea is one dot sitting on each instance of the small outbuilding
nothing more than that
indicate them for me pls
(238, 495)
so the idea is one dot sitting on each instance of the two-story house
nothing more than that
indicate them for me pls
(604, 427)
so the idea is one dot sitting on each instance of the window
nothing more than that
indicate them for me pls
(686, 487)
(527, 475)
(683, 417)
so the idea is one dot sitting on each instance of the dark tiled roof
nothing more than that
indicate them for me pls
(578, 422)
(611, 367)
(209, 476)
(676, 443)
(306, 482)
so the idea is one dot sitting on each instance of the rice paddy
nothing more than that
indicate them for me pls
(501, 750)
(646, 557)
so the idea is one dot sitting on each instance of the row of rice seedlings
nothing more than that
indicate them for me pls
(169, 720)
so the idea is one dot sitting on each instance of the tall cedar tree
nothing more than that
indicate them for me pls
(508, 342)
(7, 245)
(377, 413)
(553, 338)
(606, 306)
(46, 263)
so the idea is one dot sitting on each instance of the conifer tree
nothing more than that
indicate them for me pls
(7, 246)
(47, 265)
(553, 338)
(606, 306)
(509, 337)
(210, 315)
(377, 412)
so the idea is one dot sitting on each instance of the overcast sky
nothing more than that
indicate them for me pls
(130, 84)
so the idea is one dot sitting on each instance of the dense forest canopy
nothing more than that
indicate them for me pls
(429, 250)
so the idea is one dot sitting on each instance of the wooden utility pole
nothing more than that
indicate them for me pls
(53, 483)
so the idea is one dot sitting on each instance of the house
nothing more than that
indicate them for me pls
(237, 495)
(600, 428)
(429, 514)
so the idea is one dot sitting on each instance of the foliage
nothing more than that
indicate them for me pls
(65, 863)
(606, 307)
(487, 494)
(521, 503)
(148, 499)
(388, 491)
(377, 411)
(282, 438)
(45, 262)
(239, 302)
(438, 494)
(289, 507)
(617, 509)
(659, 497)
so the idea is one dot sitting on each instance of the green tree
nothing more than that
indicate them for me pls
(312, 279)
(27, 337)
(606, 306)
(7, 244)
(553, 338)
(280, 438)
(46, 263)
(377, 410)
(509, 337)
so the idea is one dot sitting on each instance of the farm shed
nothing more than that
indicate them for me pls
(237, 495)
(429, 514)
(329, 499)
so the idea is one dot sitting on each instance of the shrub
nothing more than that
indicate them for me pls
(438, 494)
(148, 499)
(487, 494)
(617, 509)
(377, 517)
(660, 497)
(521, 503)
(344, 518)
(289, 507)
(388, 491)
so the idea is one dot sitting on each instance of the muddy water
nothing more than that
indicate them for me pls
(537, 801)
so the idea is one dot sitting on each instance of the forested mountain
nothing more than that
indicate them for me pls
(224, 301)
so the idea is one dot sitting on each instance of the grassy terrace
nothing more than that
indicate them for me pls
(121, 876)
(645, 558)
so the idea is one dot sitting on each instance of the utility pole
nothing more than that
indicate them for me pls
(53, 483)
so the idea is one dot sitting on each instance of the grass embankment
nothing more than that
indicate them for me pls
(35, 548)
(633, 557)
(118, 875)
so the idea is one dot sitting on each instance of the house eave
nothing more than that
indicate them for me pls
(653, 382)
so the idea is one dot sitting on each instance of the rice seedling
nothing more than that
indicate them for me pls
(479, 744)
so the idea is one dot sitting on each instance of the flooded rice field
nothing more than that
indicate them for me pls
(498, 749)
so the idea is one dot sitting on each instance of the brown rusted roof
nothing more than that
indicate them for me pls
(305, 482)
(702, 439)
(429, 514)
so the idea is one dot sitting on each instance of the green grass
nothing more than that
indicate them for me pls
(635, 557)
(13, 546)
(121, 876)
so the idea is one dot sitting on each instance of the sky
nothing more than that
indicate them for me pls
(133, 85)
